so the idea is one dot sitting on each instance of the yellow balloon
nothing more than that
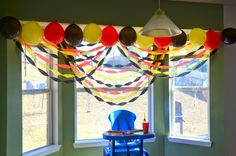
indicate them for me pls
(32, 33)
(92, 33)
(144, 42)
(197, 36)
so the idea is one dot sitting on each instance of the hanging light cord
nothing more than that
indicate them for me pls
(159, 4)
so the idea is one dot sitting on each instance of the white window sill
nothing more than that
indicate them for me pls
(90, 143)
(190, 141)
(43, 151)
(98, 142)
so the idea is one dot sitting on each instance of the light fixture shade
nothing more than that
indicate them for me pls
(160, 26)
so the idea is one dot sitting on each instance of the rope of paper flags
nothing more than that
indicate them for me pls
(116, 68)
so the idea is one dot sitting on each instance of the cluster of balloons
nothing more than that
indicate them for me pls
(33, 34)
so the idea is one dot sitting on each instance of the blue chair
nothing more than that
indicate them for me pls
(123, 121)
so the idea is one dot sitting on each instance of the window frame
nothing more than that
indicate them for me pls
(85, 143)
(192, 140)
(52, 131)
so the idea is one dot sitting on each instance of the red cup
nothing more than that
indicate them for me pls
(145, 127)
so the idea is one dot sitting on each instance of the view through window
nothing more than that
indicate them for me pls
(92, 115)
(36, 107)
(189, 104)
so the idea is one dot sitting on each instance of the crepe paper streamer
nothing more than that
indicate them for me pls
(101, 91)
(45, 73)
(181, 64)
(161, 51)
(45, 66)
(185, 62)
(80, 74)
(99, 98)
(157, 71)
(31, 53)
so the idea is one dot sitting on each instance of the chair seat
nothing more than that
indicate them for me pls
(123, 152)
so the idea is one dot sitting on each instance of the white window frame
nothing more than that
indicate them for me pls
(53, 140)
(206, 142)
(101, 142)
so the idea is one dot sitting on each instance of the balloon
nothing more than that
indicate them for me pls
(54, 33)
(92, 33)
(197, 36)
(179, 40)
(73, 35)
(10, 27)
(109, 36)
(162, 41)
(32, 33)
(212, 41)
(144, 42)
(228, 36)
(127, 36)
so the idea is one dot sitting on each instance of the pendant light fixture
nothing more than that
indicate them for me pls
(160, 25)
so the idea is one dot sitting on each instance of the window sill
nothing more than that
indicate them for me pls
(98, 142)
(43, 151)
(90, 143)
(190, 141)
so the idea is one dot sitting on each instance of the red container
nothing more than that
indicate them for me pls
(145, 127)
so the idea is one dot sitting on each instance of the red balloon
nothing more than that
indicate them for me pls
(109, 36)
(213, 40)
(162, 41)
(54, 33)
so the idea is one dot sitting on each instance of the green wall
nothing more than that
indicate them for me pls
(122, 12)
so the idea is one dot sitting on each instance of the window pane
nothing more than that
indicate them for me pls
(191, 113)
(92, 115)
(190, 104)
(35, 121)
(35, 104)
(198, 77)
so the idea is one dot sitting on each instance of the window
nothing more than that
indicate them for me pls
(37, 108)
(92, 115)
(189, 104)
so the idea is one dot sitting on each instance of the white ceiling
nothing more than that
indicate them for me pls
(210, 1)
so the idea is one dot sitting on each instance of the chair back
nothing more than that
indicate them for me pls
(122, 120)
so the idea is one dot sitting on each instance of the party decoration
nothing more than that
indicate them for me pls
(144, 42)
(73, 35)
(109, 36)
(179, 40)
(229, 36)
(32, 33)
(197, 36)
(115, 68)
(54, 33)
(127, 36)
(10, 27)
(212, 40)
(162, 42)
(92, 33)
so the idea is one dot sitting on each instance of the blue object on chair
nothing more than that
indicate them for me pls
(123, 120)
